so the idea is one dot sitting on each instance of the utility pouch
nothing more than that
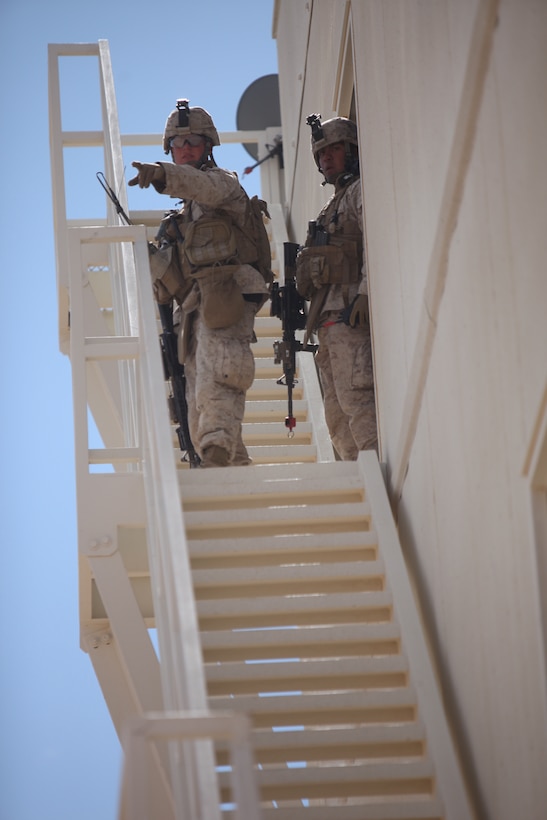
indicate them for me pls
(320, 265)
(168, 279)
(304, 283)
(209, 241)
(222, 303)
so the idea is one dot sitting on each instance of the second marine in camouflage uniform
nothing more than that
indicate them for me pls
(331, 273)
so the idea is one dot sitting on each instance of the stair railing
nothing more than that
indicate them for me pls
(147, 445)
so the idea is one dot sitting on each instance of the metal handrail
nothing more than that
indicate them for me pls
(235, 728)
(146, 428)
(194, 779)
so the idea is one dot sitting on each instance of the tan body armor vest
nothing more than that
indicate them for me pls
(338, 262)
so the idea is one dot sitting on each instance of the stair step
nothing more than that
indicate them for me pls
(266, 551)
(340, 674)
(332, 744)
(266, 368)
(283, 453)
(266, 389)
(342, 708)
(263, 347)
(264, 433)
(374, 780)
(369, 607)
(297, 450)
(356, 640)
(245, 489)
(331, 472)
(309, 579)
(275, 410)
(269, 361)
(333, 518)
(268, 327)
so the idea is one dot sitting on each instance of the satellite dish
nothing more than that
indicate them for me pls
(259, 109)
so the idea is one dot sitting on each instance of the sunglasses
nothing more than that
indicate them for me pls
(192, 139)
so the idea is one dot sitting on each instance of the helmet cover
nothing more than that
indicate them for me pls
(185, 120)
(337, 129)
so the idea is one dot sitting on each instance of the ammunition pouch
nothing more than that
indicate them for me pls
(335, 264)
(209, 242)
(168, 279)
(222, 303)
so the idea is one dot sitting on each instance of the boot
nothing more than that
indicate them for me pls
(241, 456)
(215, 456)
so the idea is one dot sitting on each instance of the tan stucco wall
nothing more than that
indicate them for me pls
(464, 512)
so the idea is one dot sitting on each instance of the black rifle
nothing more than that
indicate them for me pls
(172, 368)
(289, 306)
(174, 373)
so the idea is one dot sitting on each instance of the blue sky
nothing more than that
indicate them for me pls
(60, 755)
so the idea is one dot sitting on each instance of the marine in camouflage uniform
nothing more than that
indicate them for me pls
(224, 294)
(331, 273)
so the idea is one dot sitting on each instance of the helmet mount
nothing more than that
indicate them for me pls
(184, 114)
(314, 121)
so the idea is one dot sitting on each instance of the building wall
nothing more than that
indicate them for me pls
(472, 332)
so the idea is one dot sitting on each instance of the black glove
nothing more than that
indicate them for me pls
(148, 173)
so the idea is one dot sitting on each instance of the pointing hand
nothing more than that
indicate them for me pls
(148, 173)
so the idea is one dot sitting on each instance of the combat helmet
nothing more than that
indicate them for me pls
(337, 129)
(185, 120)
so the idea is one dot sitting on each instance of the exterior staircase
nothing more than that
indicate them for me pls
(298, 631)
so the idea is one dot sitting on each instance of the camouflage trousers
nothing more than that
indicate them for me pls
(219, 369)
(344, 360)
